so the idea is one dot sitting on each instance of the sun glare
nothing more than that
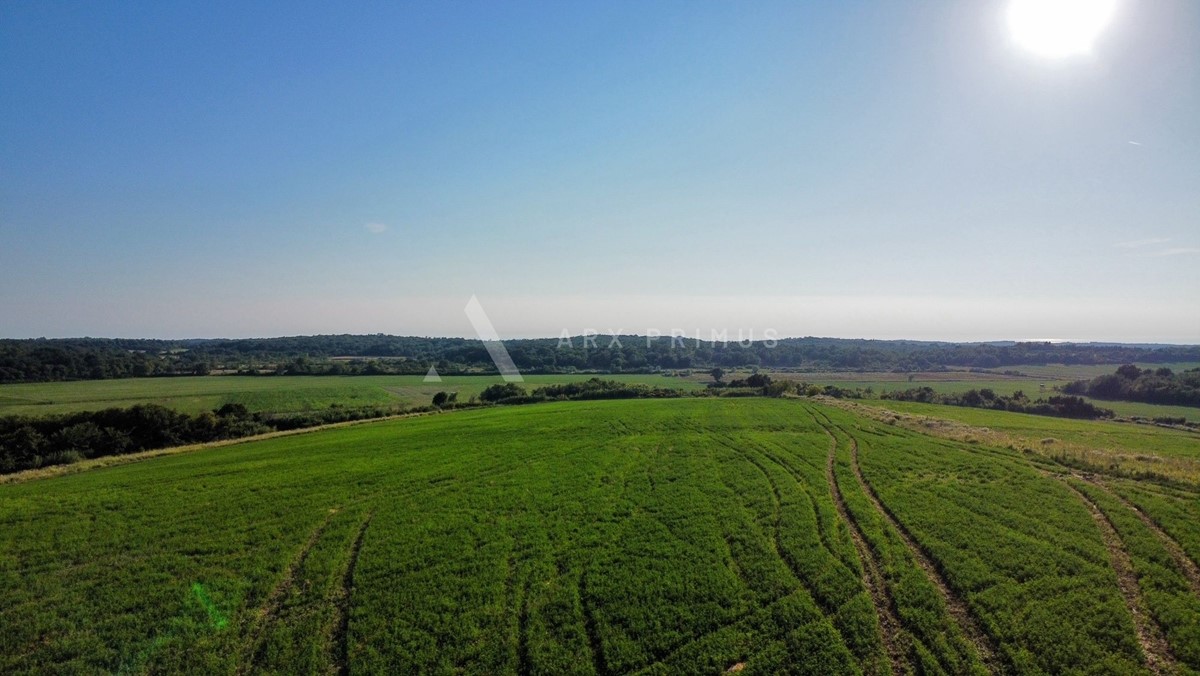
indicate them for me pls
(1058, 28)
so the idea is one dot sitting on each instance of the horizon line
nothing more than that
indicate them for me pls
(691, 337)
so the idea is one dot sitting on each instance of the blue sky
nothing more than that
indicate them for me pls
(890, 169)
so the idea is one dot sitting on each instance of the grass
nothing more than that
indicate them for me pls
(1126, 449)
(1019, 570)
(1035, 381)
(937, 643)
(276, 394)
(655, 536)
(1163, 583)
(290, 394)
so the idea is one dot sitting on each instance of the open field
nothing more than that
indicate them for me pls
(1096, 445)
(650, 536)
(287, 394)
(275, 394)
(1035, 381)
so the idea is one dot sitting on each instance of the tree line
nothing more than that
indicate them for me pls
(1153, 386)
(756, 385)
(28, 442)
(41, 360)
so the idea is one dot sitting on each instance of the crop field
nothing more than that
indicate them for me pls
(642, 536)
(1034, 380)
(1095, 445)
(275, 394)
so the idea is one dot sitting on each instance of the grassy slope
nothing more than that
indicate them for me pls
(1117, 448)
(683, 535)
(1101, 434)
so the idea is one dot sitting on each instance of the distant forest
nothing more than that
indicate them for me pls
(1153, 386)
(99, 358)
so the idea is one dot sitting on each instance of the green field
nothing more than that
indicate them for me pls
(1034, 381)
(288, 394)
(283, 394)
(1112, 447)
(638, 536)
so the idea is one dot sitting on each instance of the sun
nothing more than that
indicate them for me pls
(1059, 28)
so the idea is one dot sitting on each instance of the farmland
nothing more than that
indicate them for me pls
(652, 536)
(195, 394)
(1035, 381)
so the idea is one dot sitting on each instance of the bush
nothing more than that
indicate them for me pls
(499, 392)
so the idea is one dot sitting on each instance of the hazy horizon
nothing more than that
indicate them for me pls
(541, 317)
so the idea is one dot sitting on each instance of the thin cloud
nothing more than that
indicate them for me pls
(1178, 251)
(1139, 243)
(375, 228)
(1134, 143)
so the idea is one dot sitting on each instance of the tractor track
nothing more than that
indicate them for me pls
(269, 612)
(1185, 563)
(873, 579)
(989, 652)
(599, 661)
(341, 637)
(1150, 637)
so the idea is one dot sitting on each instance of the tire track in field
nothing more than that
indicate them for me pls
(989, 652)
(269, 612)
(821, 603)
(1150, 637)
(599, 662)
(673, 652)
(827, 538)
(341, 637)
(776, 517)
(797, 588)
(776, 506)
(872, 577)
(524, 664)
(1185, 563)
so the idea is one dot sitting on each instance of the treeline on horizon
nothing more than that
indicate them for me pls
(41, 360)
(1151, 386)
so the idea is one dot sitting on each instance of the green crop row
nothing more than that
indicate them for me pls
(938, 644)
(1176, 512)
(1165, 590)
(1020, 548)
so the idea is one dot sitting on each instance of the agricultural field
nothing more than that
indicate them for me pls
(706, 535)
(1098, 445)
(274, 394)
(1035, 381)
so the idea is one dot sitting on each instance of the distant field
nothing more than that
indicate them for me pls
(1037, 381)
(193, 394)
(639, 536)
